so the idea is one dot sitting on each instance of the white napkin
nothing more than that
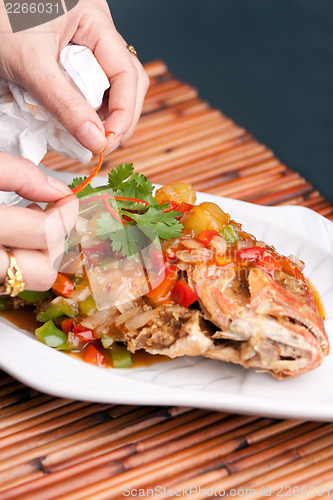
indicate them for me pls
(28, 130)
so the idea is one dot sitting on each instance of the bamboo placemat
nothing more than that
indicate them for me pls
(52, 448)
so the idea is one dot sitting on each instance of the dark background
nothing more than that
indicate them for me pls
(268, 64)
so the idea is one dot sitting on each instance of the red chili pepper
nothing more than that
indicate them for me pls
(183, 294)
(63, 286)
(83, 333)
(67, 325)
(104, 197)
(88, 180)
(93, 174)
(177, 207)
(251, 253)
(93, 356)
(207, 235)
(112, 211)
(162, 292)
(157, 260)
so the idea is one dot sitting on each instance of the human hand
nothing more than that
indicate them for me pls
(34, 236)
(29, 58)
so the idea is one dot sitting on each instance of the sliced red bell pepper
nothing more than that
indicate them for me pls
(207, 235)
(67, 325)
(163, 291)
(63, 285)
(93, 356)
(251, 253)
(183, 294)
(83, 333)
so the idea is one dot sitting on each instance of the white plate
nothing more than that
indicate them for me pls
(200, 382)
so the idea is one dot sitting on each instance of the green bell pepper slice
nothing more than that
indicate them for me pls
(121, 357)
(34, 297)
(59, 306)
(50, 335)
(88, 306)
(230, 234)
(106, 340)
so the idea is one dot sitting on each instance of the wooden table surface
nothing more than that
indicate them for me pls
(53, 448)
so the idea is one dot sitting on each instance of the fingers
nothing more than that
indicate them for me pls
(36, 268)
(37, 240)
(60, 98)
(129, 81)
(129, 84)
(142, 87)
(27, 180)
(36, 229)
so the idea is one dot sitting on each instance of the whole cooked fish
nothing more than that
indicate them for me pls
(204, 287)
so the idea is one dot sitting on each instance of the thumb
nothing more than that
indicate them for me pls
(49, 86)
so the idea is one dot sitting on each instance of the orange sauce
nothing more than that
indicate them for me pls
(25, 319)
(317, 300)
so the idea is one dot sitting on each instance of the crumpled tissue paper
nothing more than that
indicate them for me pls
(28, 130)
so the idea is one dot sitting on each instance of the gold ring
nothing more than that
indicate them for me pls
(14, 282)
(132, 50)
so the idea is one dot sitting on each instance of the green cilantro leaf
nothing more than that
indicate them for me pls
(117, 176)
(149, 223)
(107, 225)
(136, 186)
(125, 239)
(165, 224)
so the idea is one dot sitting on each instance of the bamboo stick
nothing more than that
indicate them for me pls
(5, 379)
(264, 431)
(144, 439)
(23, 394)
(245, 185)
(68, 435)
(192, 134)
(24, 473)
(264, 462)
(206, 162)
(84, 413)
(171, 465)
(53, 412)
(155, 68)
(310, 464)
(62, 485)
(16, 409)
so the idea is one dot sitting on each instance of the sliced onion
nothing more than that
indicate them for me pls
(71, 263)
(141, 319)
(219, 244)
(199, 255)
(81, 292)
(183, 266)
(99, 317)
(73, 340)
(241, 244)
(125, 306)
(122, 318)
(191, 243)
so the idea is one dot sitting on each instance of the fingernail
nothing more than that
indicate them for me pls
(91, 137)
(112, 143)
(58, 185)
